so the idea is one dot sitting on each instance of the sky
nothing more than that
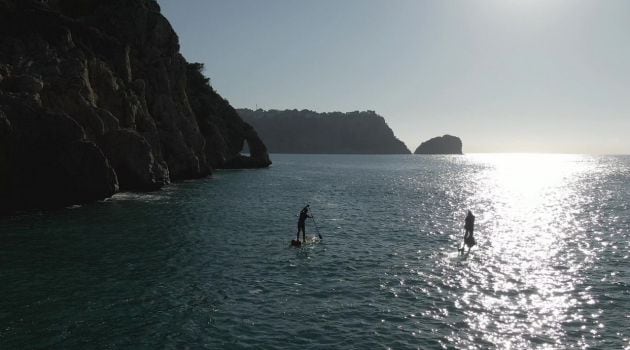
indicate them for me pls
(503, 75)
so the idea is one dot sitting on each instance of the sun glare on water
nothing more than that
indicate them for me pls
(526, 191)
(526, 209)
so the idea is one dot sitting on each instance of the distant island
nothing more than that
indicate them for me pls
(95, 97)
(305, 131)
(446, 144)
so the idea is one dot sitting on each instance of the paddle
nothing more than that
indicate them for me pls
(316, 229)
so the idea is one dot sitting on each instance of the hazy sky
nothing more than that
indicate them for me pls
(504, 75)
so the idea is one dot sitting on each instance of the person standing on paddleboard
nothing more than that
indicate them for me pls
(302, 223)
(469, 226)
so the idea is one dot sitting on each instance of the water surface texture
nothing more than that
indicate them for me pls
(207, 264)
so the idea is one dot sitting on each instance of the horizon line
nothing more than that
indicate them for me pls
(458, 155)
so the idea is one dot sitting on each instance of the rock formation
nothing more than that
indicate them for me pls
(446, 144)
(293, 131)
(95, 97)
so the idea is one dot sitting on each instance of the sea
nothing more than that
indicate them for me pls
(207, 264)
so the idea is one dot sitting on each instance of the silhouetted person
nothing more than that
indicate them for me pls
(302, 223)
(469, 226)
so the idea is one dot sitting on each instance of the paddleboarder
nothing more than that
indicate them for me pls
(304, 214)
(469, 226)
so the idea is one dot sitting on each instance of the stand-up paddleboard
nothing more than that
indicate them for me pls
(309, 241)
(466, 247)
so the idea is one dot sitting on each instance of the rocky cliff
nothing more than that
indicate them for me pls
(95, 98)
(293, 131)
(446, 144)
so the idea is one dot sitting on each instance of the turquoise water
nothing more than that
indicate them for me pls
(207, 264)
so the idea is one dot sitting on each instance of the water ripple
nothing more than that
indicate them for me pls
(206, 264)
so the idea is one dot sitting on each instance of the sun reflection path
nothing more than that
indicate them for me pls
(525, 277)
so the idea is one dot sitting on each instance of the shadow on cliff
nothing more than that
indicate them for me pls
(95, 98)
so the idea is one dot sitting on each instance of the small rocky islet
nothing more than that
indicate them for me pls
(446, 144)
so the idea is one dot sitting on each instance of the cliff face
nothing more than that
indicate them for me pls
(95, 97)
(446, 144)
(293, 131)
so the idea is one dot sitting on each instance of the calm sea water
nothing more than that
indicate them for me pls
(207, 264)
